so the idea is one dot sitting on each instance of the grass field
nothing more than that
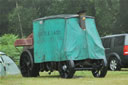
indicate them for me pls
(80, 78)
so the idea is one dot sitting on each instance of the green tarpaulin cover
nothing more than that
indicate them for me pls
(59, 39)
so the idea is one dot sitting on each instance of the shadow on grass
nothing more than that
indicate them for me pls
(49, 76)
(118, 70)
(75, 77)
(58, 76)
(124, 69)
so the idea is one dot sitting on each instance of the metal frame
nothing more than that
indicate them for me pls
(65, 16)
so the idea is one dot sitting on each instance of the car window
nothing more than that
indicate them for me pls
(107, 43)
(119, 41)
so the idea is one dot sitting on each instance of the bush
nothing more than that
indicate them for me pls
(7, 46)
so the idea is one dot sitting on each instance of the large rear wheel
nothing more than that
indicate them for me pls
(66, 69)
(27, 66)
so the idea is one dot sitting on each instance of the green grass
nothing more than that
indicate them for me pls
(80, 78)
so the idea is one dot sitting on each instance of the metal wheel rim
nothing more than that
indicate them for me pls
(65, 70)
(113, 65)
(97, 72)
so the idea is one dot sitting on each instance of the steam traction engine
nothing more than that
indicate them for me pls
(65, 43)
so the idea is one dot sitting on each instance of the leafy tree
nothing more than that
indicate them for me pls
(123, 18)
(7, 46)
(107, 12)
(111, 15)
(27, 15)
(5, 7)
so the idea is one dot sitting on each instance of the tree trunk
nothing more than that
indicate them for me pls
(20, 25)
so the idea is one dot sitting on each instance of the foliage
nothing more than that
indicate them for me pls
(7, 46)
(27, 15)
(111, 15)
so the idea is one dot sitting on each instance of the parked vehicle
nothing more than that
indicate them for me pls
(116, 49)
(66, 43)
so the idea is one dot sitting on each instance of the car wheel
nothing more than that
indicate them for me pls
(114, 64)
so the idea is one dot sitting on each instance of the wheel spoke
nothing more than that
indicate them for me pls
(65, 75)
(113, 64)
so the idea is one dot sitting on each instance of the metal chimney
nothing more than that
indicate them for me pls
(82, 18)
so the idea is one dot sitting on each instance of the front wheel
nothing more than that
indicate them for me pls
(66, 69)
(101, 71)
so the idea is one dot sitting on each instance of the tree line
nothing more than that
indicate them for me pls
(16, 16)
